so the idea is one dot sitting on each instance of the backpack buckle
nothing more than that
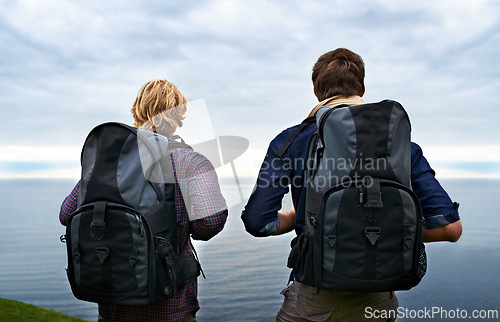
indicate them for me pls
(97, 232)
(373, 195)
(102, 253)
(331, 239)
(372, 233)
(132, 260)
(97, 225)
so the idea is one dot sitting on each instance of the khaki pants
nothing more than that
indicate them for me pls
(306, 303)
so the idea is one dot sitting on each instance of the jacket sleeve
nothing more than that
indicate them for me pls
(69, 205)
(206, 206)
(437, 207)
(260, 215)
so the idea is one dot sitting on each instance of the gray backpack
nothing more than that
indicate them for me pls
(363, 223)
(122, 241)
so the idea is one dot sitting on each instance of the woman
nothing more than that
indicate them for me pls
(201, 210)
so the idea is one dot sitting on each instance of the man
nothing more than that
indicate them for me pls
(200, 208)
(338, 78)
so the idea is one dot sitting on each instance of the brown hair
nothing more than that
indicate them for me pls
(338, 72)
(159, 107)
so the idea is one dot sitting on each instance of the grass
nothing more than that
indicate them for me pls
(18, 311)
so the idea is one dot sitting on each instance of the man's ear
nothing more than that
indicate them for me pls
(362, 91)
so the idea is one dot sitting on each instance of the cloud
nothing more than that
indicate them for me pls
(67, 65)
(39, 162)
(465, 161)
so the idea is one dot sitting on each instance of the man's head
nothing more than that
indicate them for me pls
(338, 72)
(159, 107)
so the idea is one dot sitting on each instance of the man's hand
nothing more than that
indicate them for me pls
(287, 221)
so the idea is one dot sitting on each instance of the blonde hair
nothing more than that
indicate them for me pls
(159, 107)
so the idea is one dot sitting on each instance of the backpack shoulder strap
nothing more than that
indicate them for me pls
(176, 142)
(281, 150)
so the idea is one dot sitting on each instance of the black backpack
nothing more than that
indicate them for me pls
(363, 223)
(122, 240)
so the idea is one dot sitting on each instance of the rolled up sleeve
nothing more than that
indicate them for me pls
(206, 206)
(260, 215)
(437, 207)
(69, 205)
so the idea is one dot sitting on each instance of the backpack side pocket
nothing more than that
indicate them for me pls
(165, 272)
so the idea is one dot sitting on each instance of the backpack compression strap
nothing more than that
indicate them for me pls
(279, 153)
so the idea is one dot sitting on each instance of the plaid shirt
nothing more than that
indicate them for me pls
(196, 177)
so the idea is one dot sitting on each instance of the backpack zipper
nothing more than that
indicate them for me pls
(140, 224)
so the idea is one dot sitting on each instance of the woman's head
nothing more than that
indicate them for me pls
(159, 107)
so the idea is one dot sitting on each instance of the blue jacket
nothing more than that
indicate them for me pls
(276, 175)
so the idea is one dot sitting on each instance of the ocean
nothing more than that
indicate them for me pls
(244, 275)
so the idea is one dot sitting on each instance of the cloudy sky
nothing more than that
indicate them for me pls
(66, 66)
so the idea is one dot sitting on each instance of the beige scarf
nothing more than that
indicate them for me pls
(336, 101)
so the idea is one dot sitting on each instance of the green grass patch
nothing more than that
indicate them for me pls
(18, 311)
